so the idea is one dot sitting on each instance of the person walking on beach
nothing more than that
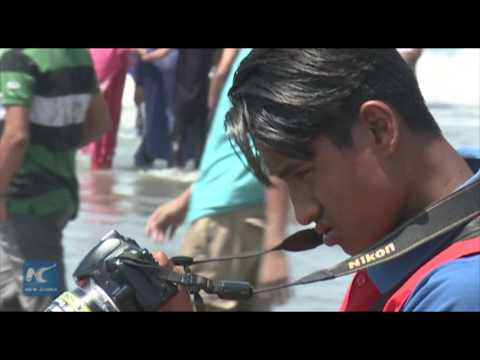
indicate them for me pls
(111, 66)
(53, 107)
(228, 210)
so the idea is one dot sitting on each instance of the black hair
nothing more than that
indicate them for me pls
(284, 98)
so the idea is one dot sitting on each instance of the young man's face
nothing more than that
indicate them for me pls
(344, 191)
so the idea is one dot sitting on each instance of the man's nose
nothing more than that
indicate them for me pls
(305, 207)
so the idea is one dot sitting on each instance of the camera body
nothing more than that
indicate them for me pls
(117, 275)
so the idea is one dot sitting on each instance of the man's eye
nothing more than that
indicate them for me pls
(301, 174)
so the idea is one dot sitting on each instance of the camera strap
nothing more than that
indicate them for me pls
(455, 210)
(438, 219)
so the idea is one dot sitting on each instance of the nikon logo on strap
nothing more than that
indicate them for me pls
(373, 256)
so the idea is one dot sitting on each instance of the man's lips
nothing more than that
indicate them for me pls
(327, 232)
(322, 228)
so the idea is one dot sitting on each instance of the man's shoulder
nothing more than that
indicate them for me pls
(13, 57)
(454, 286)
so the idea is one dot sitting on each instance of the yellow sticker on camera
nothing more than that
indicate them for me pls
(74, 302)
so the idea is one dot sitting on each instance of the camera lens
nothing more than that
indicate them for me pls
(88, 298)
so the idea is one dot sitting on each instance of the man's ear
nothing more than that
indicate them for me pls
(382, 123)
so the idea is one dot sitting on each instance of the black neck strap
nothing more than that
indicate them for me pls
(443, 216)
(472, 229)
(446, 215)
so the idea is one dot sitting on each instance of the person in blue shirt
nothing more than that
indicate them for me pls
(228, 209)
(438, 291)
(154, 73)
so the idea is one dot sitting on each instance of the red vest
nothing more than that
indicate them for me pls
(362, 293)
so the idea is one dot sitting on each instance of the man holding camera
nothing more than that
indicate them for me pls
(349, 132)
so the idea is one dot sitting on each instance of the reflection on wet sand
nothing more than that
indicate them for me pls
(97, 196)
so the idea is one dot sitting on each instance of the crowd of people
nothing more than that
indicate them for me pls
(175, 94)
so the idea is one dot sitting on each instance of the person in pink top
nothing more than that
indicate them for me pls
(111, 66)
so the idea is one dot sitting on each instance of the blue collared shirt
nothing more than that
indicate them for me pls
(454, 286)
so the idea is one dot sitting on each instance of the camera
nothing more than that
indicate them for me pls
(117, 275)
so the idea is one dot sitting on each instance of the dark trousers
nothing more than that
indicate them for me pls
(29, 237)
(194, 118)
